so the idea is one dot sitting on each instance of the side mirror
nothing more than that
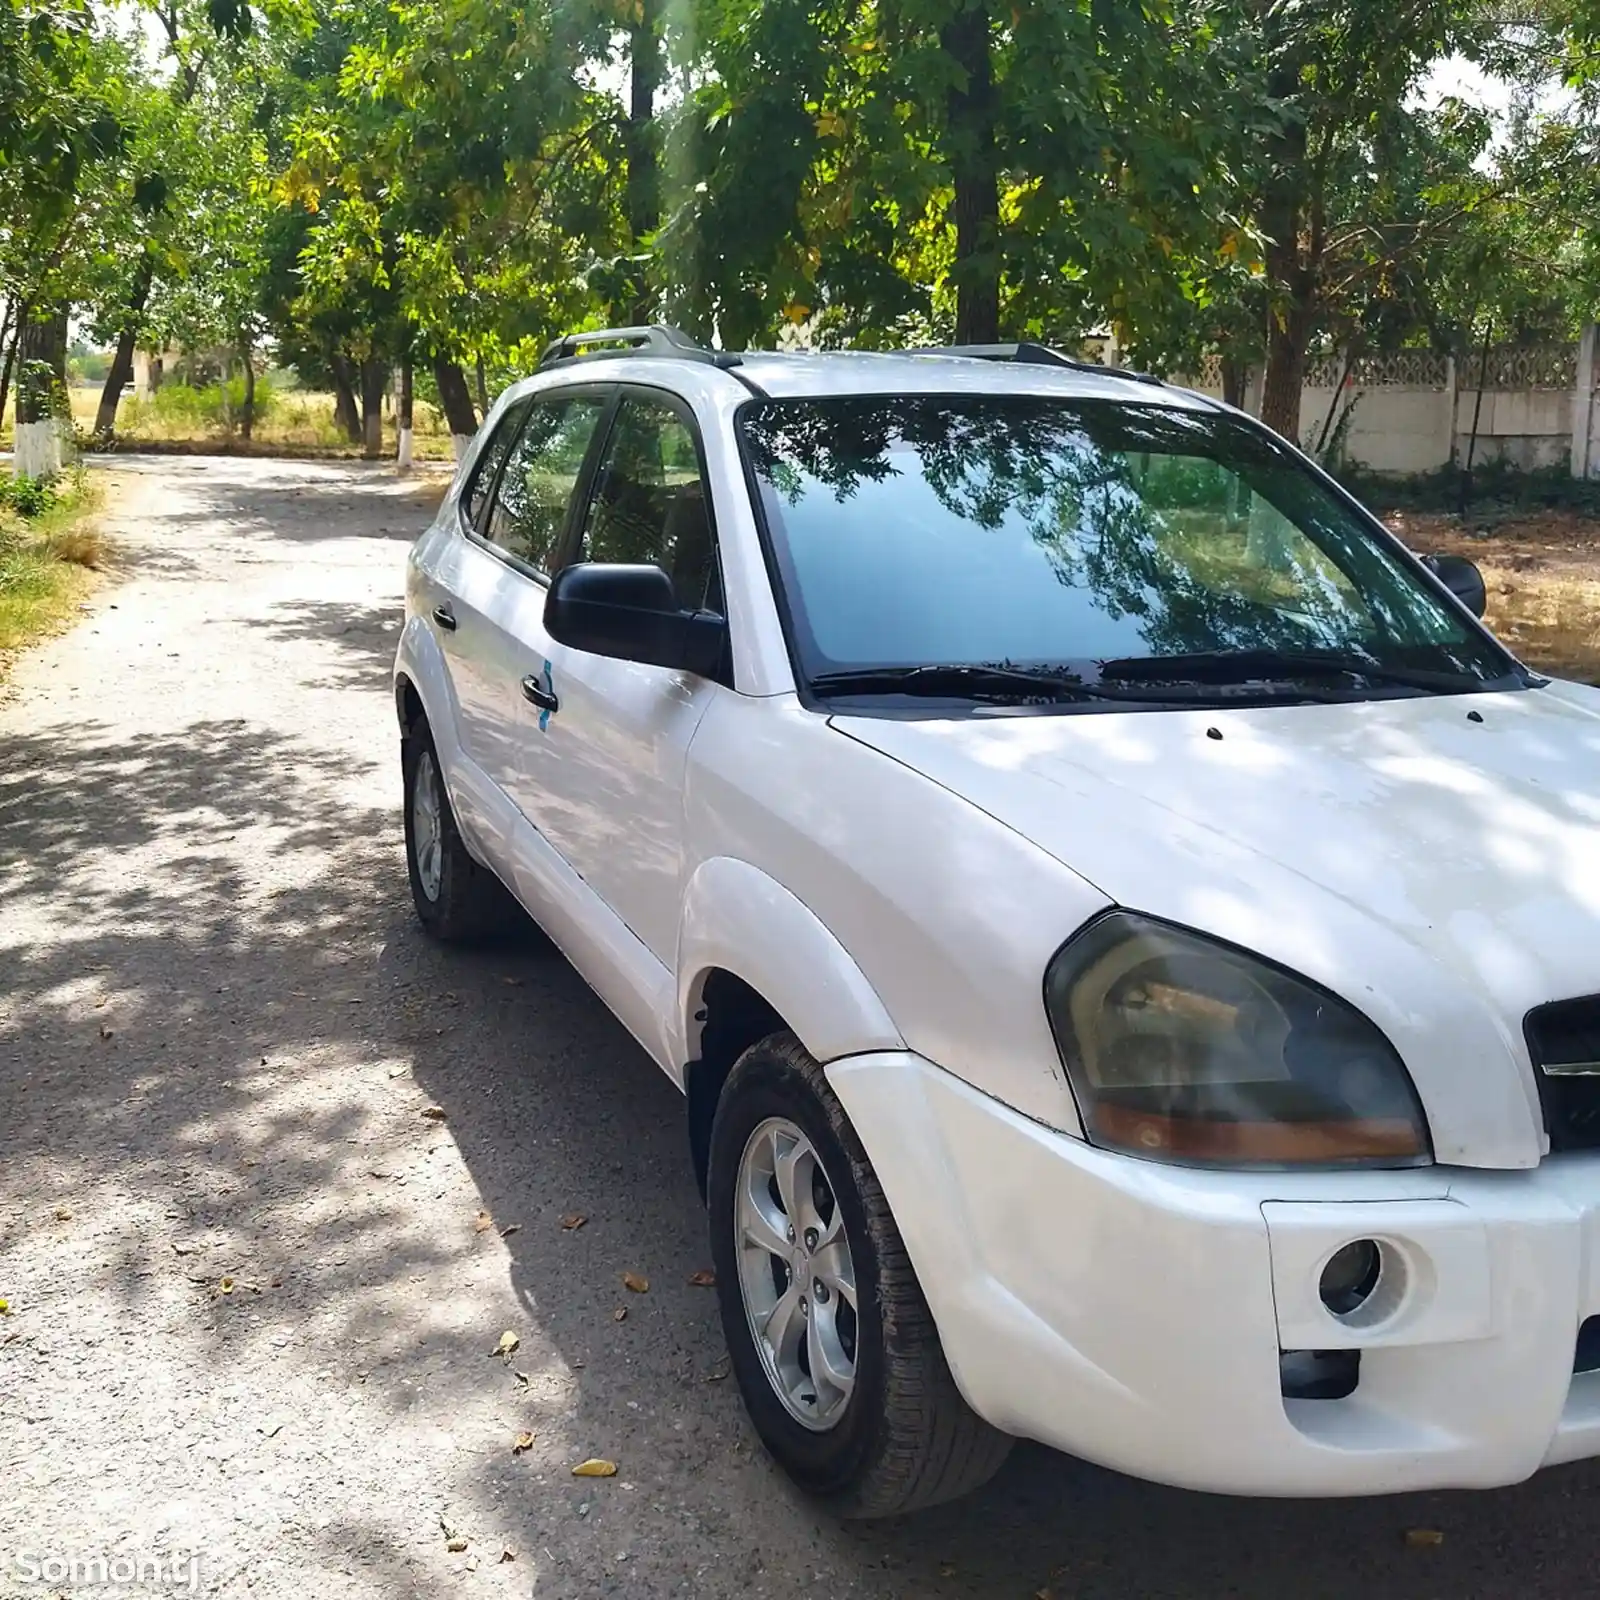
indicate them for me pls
(631, 613)
(1462, 578)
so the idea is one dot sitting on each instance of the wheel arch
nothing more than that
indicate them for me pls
(754, 959)
(422, 688)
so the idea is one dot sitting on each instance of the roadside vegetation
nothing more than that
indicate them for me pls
(287, 420)
(51, 548)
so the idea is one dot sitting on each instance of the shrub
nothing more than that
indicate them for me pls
(29, 497)
(180, 411)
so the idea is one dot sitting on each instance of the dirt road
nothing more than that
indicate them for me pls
(252, 1308)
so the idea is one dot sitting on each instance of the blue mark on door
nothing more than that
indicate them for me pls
(549, 688)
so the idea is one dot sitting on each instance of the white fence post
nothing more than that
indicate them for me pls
(1584, 462)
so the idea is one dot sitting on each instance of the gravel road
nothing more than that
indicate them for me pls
(255, 1286)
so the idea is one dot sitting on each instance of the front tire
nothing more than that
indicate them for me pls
(457, 900)
(832, 1343)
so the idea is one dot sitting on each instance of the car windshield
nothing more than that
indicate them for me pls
(1095, 541)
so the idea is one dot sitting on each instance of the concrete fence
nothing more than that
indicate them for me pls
(1414, 411)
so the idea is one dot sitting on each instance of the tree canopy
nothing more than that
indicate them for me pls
(365, 185)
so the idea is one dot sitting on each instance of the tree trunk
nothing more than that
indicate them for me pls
(483, 389)
(121, 373)
(970, 111)
(41, 432)
(1477, 416)
(403, 410)
(1288, 333)
(642, 199)
(247, 413)
(344, 397)
(372, 384)
(1234, 378)
(456, 399)
(9, 359)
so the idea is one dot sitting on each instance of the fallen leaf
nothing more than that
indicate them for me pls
(5, 1307)
(185, 1249)
(455, 1546)
(703, 1279)
(482, 1223)
(620, 1314)
(632, 1280)
(510, 980)
(508, 1343)
(63, 1214)
(1423, 1538)
(509, 1229)
(595, 1468)
(947, 1570)
(523, 1441)
(105, 1032)
(717, 1377)
(472, 1563)
(522, 1377)
(226, 1286)
(447, 1528)
(573, 1220)
(434, 1113)
(508, 1554)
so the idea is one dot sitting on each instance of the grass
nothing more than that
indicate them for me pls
(288, 422)
(48, 563)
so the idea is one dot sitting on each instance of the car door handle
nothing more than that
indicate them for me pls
(533, 689)
(445, 617)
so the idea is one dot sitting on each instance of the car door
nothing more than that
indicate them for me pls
(512, 534)
(606, 778)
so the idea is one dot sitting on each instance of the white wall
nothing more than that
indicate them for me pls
(1409, 408)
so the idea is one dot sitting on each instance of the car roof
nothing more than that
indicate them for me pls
(819, 374)
(785, 376)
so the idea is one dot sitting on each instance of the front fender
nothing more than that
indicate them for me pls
(739, 920)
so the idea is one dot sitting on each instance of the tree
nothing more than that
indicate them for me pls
(944, 168)
(62, 135)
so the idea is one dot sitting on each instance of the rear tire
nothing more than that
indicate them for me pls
(892, 1433)
(457, 900)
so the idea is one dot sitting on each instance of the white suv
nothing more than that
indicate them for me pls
(1126, 934)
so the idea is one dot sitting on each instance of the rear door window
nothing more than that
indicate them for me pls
(541, 476)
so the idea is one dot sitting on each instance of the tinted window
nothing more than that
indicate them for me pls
(530, 508)
(1022, 531)
(489, 464)
(650, 504)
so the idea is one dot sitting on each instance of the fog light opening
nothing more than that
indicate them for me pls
(1318, 1374)
(1350, 1277)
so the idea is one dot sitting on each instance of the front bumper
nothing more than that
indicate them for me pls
(1133, 1313)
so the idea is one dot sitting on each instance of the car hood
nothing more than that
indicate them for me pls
(1436, 859)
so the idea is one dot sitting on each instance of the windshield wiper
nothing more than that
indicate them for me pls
(962, 680)
(1253, 666)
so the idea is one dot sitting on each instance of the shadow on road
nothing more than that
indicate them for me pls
(554, 1111)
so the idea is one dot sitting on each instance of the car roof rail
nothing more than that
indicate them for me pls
(656, 339)
(1030, 353)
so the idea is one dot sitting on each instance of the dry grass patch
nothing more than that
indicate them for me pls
(1542, 571)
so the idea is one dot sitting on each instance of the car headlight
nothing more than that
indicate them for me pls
(1183, 1049)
